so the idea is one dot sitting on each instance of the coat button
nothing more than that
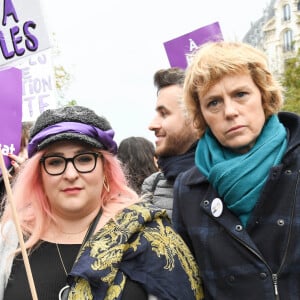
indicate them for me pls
(263, 275)
(206, 202)
(238, 227)
(280, 222)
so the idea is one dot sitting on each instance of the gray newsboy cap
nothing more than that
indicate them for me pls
(78, 114)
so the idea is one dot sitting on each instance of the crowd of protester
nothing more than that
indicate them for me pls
(210, 210)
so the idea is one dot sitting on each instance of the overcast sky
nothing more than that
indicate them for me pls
(112, 48)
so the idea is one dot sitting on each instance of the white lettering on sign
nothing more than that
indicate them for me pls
(6, 149)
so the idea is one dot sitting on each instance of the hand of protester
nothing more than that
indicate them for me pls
(16, 161)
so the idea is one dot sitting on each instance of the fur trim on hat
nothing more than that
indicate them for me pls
(78, 114)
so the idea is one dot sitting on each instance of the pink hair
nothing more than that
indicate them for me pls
(33, 206)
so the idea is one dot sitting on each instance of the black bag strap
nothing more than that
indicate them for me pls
(91, 229)
(64, 292)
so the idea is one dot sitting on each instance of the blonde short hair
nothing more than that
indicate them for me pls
(214, 60)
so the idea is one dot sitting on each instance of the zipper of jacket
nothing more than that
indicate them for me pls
(275, 283)
(274, 275)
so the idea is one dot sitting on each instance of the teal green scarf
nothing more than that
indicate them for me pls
(239, 178)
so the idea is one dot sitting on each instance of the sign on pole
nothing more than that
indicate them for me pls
(179, 50)
(39, 90)
(26, 74)
(10, 112)
(22, 30)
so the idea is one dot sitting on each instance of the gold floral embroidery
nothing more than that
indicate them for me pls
(82, 291)
(108, 246)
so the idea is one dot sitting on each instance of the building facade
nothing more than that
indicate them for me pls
(277, 33)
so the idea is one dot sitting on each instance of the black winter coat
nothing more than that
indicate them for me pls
(261, 261)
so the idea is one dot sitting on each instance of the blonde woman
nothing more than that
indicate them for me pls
(239, 207)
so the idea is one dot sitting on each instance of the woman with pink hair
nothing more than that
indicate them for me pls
(87, 234)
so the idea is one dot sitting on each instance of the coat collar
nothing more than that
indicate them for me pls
(291, 122)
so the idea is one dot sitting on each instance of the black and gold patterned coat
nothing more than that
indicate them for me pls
(140, 244)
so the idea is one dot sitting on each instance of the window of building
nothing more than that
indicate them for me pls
(298, 5)
(286, 12)
(288, 41)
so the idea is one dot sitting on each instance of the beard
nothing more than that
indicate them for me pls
(176, 144)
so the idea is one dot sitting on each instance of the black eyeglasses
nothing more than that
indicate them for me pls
(83, 163)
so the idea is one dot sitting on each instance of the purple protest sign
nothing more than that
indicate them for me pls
(10, 112)
(179, 49)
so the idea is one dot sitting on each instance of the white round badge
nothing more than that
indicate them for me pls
(217, 207)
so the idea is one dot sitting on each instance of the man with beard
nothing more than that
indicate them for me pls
(175, 138)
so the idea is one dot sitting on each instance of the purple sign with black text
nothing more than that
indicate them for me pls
(10, 112)
(179, 50)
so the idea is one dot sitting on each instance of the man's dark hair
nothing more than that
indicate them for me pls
(167, 77)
